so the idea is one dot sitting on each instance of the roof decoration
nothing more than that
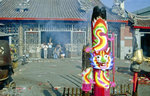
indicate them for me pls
(118, 7)
(141, 21)
(23, 6)
(87, 5)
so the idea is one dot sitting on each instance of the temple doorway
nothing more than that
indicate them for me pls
(145, 44)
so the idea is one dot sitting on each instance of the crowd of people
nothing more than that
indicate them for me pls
(50, 51)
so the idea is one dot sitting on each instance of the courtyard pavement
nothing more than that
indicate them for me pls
(48, 77)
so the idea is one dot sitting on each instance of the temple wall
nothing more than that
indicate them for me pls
(125, 41)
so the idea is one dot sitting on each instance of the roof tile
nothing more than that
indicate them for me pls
(59, 9)
(42, 9)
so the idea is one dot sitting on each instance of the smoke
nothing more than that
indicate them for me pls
(59, 32)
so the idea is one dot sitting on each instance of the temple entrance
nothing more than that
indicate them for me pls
(70, 41)
(58, 38)
(145, 45)
(61, 38)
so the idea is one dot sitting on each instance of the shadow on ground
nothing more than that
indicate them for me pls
(47, 93)
(72, 79)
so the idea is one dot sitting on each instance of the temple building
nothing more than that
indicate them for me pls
(141, 26)
(66, 22)
(33, 22)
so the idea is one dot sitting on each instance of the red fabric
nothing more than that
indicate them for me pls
(99, 91)
(64, 19)
(113, 46)
(135, 80)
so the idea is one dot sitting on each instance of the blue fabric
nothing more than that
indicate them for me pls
(55, 56)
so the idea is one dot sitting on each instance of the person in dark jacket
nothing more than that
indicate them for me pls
(85, 58)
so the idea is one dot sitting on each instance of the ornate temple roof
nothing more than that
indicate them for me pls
(41, 10)
(142, 23)
(88, 5)
(50, 10)
(142, 18)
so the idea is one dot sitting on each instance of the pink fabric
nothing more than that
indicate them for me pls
(86, 87)
(113, 84)
(88, 49)
(113, 46)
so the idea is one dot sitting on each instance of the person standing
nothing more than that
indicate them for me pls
(62, 53)
(45, 50)
(55, 54)
(57, 51)
(50, 45)
(85, 57)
